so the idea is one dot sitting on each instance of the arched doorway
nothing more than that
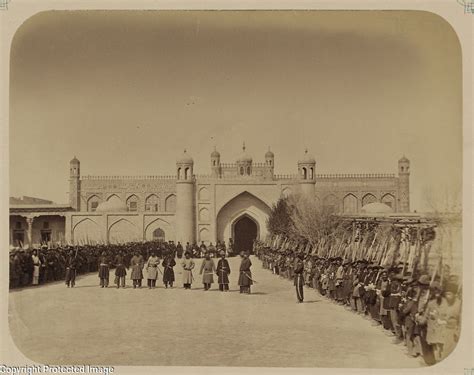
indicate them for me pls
(159, 235)
(243, 205)
(244, 232)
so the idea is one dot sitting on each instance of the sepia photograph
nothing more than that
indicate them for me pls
(236, 188)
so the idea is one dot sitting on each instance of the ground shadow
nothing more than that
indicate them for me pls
(89, 286)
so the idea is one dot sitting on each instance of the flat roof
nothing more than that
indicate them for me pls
(40, 207)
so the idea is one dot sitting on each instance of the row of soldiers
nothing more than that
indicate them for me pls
(140, 268)
(43, 264)
(422, 312)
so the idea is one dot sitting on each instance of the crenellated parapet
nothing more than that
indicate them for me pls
(355, 176)
(159, 177)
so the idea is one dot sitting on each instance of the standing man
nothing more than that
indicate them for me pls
(188, 248)
(120, 270)
(245, 277)
(230, 250)
(207, 271)
(179, 250)
(137, 263)
(168, 272)
(188, 265)
(212, 250)
(223, 272)
(152, 270)
(104, 270)
(15, 270)
(36, 267)
(71, 264)
(43, 275)
(299, 279)
(202, 249)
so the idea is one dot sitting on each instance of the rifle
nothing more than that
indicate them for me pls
(371, 247)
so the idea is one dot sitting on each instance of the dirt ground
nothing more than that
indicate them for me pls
(175, 327)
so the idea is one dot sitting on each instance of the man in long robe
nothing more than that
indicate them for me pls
(223, 272)
(168, 272)
(71, 264)
(36, 267)
(104, 270)
(136, 264)
(299, 280)
(188, 265)
(152, 270)
(442, 320)
(179, 250)
(207, 271)
(245, 276)
(120, 270)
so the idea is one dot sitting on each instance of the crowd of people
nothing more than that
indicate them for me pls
(420, 311)
(142, 260)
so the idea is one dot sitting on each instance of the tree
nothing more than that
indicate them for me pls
(312, 221)
(279, 221)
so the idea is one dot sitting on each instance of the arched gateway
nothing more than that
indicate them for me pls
(243, 219)
(244, 231)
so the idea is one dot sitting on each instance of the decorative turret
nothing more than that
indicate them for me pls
(244, 163)
(184, 167)
(74, 184)
(215, 164)
(269, 163)
(404, 185)
(185, 206)
(306, 171)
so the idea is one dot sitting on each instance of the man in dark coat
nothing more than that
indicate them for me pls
(179, 250)
(71, 265)
(15, 270)
(188, 248)
(28, 267)
(104, 270)
(202, 249)
(168, 272)
(223, 272)
(43, 274)
(298, 275)
(245, 277)
(120, 270)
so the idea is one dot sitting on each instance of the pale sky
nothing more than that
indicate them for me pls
(127, 91)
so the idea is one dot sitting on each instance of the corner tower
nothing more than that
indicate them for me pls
(404, 184)
(269, 164)
(215, 164)
(306, 172)
(185, 207)
(74, 184)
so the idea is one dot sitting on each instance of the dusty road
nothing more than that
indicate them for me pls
(176, 327)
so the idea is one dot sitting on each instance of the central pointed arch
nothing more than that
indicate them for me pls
(245, 229)
(243, 205)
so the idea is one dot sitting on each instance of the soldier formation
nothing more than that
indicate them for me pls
(51, 263)
(419, 311)
(139, 260)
